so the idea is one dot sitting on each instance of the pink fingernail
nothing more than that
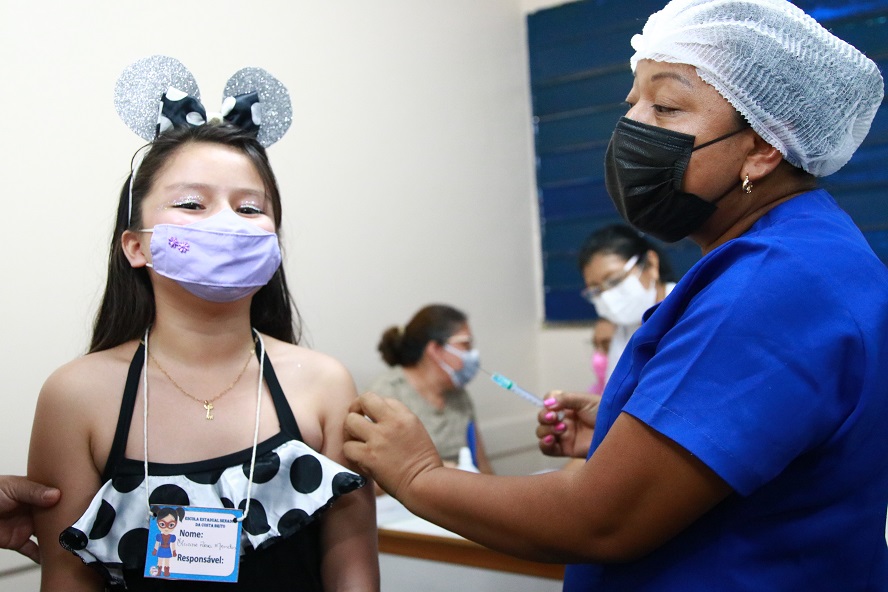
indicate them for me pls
(561, 427)
(549, 439)
(550, 416)
(549, 402)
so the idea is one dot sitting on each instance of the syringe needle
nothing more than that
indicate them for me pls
(509, 385)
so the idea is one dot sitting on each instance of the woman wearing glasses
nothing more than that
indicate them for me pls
(432, 359)
(625, 275)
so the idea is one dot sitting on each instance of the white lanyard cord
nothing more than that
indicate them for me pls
(255, 431)
(145, 422)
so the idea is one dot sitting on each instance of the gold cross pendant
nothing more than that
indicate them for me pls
(209, 407)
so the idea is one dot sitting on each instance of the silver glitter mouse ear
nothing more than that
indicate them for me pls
(273, 112)
(140, 88)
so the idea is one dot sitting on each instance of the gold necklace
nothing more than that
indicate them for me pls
(207, 403)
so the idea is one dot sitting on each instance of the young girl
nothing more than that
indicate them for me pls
(194, 359)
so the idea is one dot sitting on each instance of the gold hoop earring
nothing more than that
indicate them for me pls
(747, 185)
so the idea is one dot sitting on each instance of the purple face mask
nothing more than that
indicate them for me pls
(221, 259)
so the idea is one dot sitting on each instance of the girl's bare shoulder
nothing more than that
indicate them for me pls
(90, 378)
(76, 412)
(307, 366)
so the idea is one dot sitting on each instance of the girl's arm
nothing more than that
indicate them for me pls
(60, 456)
(350, 558)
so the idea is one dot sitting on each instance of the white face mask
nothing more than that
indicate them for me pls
(625, 303)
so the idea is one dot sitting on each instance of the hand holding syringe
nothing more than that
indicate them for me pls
(584, 408)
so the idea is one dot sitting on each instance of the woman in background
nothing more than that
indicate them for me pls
(432, 360)
(625, 275)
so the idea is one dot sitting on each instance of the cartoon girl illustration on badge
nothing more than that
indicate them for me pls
(168, 519)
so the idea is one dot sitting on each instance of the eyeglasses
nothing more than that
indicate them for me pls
(468, 342)
(594, 291)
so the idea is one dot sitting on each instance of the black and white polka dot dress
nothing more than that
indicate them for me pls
(292, 485)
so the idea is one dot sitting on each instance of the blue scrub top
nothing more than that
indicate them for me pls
(769, 362)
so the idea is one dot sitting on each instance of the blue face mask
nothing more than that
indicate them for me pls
(471, 362)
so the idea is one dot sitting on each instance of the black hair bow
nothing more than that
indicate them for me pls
(179, 109)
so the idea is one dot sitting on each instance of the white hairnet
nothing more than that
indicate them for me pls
(802, 89)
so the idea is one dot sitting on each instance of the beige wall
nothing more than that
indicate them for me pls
(407, 178)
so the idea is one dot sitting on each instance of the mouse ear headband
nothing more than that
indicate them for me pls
(158, 93)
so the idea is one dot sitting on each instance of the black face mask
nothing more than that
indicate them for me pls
(644, 169)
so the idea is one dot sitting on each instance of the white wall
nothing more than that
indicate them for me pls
(407, 178)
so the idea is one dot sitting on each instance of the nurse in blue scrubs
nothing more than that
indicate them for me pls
(740, 443)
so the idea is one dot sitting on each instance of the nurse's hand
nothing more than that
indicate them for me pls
(567, 423)
(388, 442)
(17, 496)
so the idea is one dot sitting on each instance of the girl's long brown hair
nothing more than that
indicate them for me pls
(127, 307)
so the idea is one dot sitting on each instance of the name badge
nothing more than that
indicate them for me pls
(188, 543)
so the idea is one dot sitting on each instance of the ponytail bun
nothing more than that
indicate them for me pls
(390, 346)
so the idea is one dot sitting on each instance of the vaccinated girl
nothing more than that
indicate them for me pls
(195, 392)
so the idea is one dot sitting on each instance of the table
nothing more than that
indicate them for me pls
(402, 533)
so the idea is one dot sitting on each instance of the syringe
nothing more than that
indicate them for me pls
(511, 386)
